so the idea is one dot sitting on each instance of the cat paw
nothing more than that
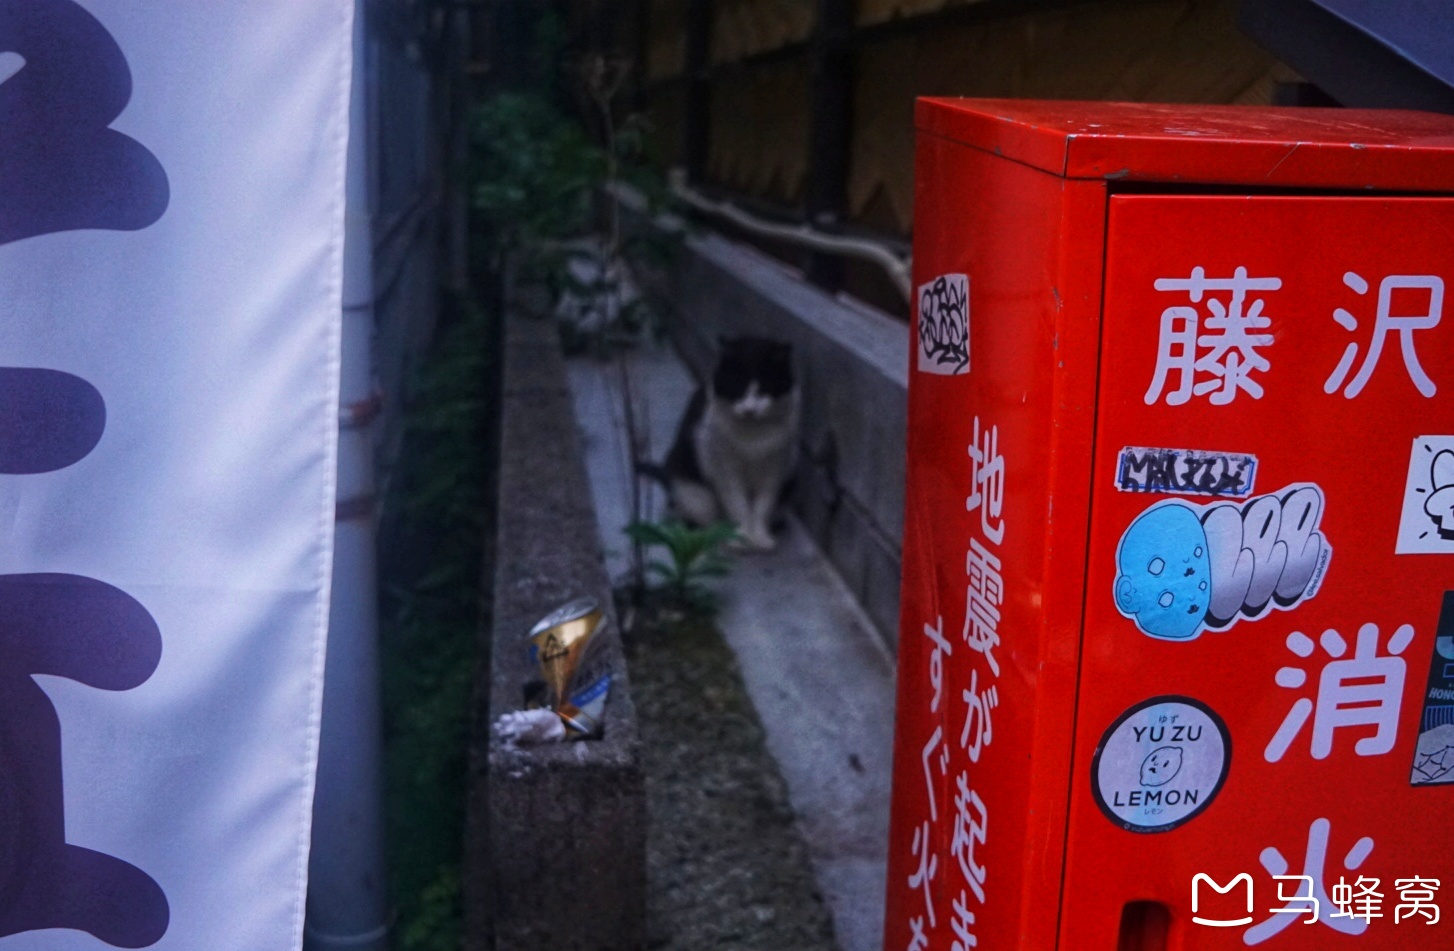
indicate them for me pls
(760, 542)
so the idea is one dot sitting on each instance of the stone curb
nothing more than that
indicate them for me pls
(556, 834)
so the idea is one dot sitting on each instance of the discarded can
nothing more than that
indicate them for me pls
(568, 651)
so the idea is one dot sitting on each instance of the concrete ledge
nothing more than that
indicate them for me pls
(854, 363)
(556, 837)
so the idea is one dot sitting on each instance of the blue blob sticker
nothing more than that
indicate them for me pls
(1165, 574)
(1183, 568)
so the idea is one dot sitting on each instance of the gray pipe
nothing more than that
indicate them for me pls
(347, 876)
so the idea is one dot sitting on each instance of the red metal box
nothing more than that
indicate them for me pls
(1176, 658)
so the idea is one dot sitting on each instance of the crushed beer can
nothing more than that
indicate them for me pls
(567, 646)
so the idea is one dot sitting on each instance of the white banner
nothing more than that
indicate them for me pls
(171, 232)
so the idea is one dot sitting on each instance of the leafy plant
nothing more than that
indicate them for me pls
(437, 924)
(536, 174)
(533, 171)
(694, 555)
(431, 551)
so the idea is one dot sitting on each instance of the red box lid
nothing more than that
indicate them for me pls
(1346, 149)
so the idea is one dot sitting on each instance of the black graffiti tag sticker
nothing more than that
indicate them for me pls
(1186, 472)
(944, 325)
(1160, 764)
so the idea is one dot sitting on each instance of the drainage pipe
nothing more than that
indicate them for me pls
(895, 265)
(347, 896)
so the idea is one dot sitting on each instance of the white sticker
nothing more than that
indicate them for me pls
(1160, 764)
(1185, 568)
(1426, 526)
(944, 325)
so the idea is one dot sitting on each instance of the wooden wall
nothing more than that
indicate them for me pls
(757, 90)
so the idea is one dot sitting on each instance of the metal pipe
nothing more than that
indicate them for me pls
(347, 877)
(805, 236)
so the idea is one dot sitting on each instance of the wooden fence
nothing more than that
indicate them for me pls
(803, 109)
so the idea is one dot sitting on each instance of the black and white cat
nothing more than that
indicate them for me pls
(737, 441)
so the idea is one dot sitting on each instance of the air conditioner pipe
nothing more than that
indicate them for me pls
(896, 266)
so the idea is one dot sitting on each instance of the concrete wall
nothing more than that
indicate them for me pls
(853, 364)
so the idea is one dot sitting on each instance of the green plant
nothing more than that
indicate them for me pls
(694, 555)
(431, 552)
(535, 176)
(532, 174)
(437, 922)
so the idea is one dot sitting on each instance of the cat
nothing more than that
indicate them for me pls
(737, 441)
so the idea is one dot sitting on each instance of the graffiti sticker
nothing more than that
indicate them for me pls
(944, 325)
(1186, 472)
(1184, 568)
(1160, 764)
(1426, 525)
(1434, 752)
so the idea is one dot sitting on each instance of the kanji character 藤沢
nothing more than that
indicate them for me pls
(1231, 345)
(1385, 322)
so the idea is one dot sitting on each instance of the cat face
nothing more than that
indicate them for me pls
(753, 375)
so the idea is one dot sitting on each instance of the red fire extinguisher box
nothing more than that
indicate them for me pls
(1176, 660)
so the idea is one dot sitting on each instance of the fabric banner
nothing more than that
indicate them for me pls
(171, 237)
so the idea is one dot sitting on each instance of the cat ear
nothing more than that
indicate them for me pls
(1442, 471)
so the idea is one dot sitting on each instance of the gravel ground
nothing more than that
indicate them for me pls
(726, 866)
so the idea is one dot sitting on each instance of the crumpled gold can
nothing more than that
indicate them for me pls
(568, 649)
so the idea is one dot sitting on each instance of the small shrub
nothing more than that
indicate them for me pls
(693, 555)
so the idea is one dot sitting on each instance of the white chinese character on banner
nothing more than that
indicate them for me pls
(963, 920)
(928, 774)
(1363, 902)
(1416, 898)
(977, 732)
(1384, 323)
(1314, 861)
(970, 824)
(942, 648)
(1231, 345)
(918, 940)
(987, 482)
(1363, 690)
(982, 602)
(923, 876)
